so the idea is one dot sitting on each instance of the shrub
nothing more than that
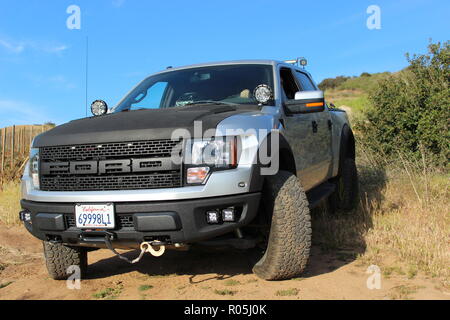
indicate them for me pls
(50, 124)
(332, 83)
(410, 110)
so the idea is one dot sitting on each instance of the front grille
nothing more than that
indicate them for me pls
(122, 221)
(111, 166)
(154, 148)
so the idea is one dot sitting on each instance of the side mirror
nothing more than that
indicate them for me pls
(99, 108)
(306, 102)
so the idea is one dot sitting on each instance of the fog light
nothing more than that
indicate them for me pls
(212, 217)
(197, 175)
(25, 216)
(228, 215)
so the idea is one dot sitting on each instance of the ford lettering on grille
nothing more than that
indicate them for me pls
(107, 166)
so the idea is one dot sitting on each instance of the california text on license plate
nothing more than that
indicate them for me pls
(95, 216)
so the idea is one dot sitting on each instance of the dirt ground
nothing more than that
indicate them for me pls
(195, 274)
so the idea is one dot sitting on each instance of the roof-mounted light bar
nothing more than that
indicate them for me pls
(298, 62)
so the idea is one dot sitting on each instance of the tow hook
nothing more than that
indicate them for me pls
(145, 247)
(150, 247)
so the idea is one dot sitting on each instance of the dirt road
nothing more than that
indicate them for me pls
(196, 274)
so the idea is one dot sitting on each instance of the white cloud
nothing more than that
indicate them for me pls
(55, 49)
(19, 47)
(11, 47)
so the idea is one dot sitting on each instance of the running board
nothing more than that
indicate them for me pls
(318, 194)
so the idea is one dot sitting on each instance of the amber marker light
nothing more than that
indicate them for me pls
(315, 104)
(197, 174)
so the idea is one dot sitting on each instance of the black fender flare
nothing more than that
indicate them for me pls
(346, 146)
(284, 154)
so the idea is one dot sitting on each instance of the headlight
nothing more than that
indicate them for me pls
(34, 166)
(203, 156)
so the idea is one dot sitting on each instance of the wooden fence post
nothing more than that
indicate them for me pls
(3, 148)
(13, 132)
(19, 143)
(22, 142)
(25, 150)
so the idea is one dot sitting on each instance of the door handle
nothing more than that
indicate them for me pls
(314, 126)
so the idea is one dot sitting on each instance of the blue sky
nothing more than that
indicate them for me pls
(42, 62)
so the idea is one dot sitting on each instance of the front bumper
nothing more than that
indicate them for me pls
(182, 221)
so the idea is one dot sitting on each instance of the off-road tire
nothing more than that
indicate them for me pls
(59, 257)
(289, 241)
(345, 197)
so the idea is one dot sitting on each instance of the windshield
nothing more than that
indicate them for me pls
(228, 84)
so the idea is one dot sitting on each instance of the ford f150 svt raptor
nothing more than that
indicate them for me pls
(231, 153)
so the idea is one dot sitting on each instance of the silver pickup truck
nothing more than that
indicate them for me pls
(225, 154)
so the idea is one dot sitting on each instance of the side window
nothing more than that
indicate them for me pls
(288, 83)
(305, 82)
(151, 100)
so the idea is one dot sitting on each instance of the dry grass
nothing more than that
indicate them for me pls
(232, 282)
(403, 292)
(10, 203)
(404, 214)
(413, 229)
(225, 292)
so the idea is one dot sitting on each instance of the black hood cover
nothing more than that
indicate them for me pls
(147, 124)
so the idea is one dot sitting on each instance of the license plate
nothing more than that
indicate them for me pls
(95, 216)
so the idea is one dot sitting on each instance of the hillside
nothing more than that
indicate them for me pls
(351, 92)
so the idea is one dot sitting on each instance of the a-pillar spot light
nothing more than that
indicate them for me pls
(99, 107)
(262, 93)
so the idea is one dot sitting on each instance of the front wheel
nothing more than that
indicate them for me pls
(289, 241)
(59, 258)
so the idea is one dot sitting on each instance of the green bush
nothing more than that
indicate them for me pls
(332, 83)
(410, 110)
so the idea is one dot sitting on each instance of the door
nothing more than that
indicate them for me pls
(322, 154)
(298, 130)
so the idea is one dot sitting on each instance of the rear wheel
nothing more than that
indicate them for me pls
(289, 241)
(345, 197)
(59, 258)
